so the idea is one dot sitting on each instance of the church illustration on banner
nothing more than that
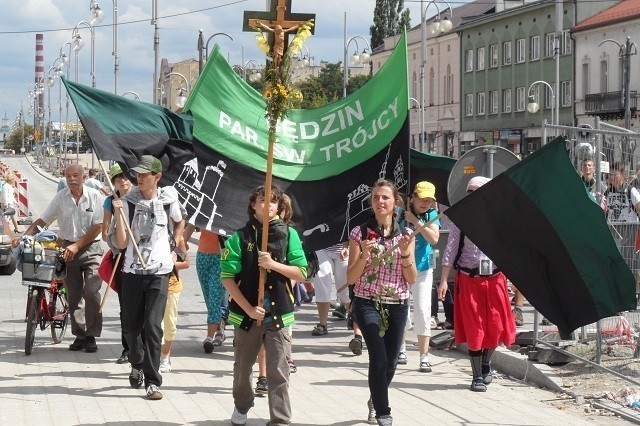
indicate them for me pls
(358, 208)
(189, 187)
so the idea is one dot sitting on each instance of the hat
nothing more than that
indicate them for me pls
(148, 163)
(115, 170)
(476, 182)
(425, 190)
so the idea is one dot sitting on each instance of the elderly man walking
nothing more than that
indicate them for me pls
(78, 210)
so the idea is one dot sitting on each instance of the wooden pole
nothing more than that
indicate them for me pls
(113, 274)
(265, 211)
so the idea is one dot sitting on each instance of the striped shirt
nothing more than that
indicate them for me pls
(470, 256)
(387, 276)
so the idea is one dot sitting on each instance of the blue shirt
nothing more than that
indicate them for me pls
(423, 248)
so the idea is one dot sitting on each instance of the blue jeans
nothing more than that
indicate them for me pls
(383, 351)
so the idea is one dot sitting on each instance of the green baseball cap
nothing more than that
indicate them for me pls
(148, 163)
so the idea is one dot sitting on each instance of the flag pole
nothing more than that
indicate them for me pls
(389, 252)
(124, 219)
(113, 274)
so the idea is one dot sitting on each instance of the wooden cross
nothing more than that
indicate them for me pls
(279, 15)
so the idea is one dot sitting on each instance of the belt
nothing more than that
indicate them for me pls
(386, 301)
(475, 272)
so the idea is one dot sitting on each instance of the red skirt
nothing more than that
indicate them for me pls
(482, 312)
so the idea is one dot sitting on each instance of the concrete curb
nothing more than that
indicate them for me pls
(518, 366)
(38, 170)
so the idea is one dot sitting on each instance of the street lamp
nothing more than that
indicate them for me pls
(303, 61)
(64, 62)
(436, 28)
(136, 97)
(202, 46)
(534, 106)
(181, 100)
(97, 16)
(255, 75)
(355, 59)
(78, 44)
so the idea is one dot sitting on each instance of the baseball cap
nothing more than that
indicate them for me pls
(115, 170)
(425, 189)
(148, 163)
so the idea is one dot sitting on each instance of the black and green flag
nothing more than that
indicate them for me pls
(326, 159)
(539, 226)
(123, 129)
(434, 168)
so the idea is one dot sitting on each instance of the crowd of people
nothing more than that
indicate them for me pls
(382, 276)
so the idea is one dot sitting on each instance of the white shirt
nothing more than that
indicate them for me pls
(74, 220)
(154, 245)
(93, 183)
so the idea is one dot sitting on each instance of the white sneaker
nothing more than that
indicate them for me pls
(237, 418)
(433, 323)
(165, 364)
(402, 358)
(218, 338)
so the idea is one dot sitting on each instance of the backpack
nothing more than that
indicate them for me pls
(313, 266)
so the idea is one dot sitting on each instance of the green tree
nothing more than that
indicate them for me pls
(14, 140)
(389, 19)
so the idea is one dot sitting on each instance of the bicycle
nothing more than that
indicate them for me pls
(47, 304)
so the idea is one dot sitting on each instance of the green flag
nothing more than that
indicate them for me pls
(539, 226)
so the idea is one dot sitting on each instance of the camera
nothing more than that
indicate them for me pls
(486, 266)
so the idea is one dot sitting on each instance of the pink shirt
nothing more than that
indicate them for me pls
(388, 276)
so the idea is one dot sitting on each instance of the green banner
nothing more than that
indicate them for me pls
(311, 144)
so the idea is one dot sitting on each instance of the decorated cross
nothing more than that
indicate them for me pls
(279, 22)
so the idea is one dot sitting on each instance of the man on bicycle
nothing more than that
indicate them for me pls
(78, 210)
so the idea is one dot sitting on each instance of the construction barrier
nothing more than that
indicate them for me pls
(22, 196)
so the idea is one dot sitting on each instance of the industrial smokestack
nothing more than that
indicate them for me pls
(39, 78)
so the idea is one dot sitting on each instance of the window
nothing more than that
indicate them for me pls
(566, 42)
(521, 47)
(566, 93)
(548, 98)
(585, 79)
(414, 85)
(469, 104)
(480, 58)
(506, 100)
(520, 99)
(493, 102)
(604, 76)
(448, 86)
(534, 46)
(468, 63)
(481, 102)
(548, 53)
(506, 53)
(493, 52)
(432, 87)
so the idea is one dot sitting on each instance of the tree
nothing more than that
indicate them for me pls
(14, 140)
(389, 19)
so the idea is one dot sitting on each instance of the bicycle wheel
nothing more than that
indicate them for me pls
(59, 317)
(32, 321)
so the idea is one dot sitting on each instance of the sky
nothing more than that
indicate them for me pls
(179, 22)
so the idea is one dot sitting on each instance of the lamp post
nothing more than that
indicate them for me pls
(78, 44)
(181, 100)
(97, 16)
(534, 106)
(204, 47)
(255, 71)
(136, 97)
(303, 61)
(64, 62)
(356, 59)
(437, 27)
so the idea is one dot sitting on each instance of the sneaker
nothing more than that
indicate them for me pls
(319, 330)
(371, 417)
(136, 378)
(340, 312)
(447, 325)
(517, 316)
(425, 367)
(77, 345)
(165, 364)
(262, 388)
(237, 418)
(124, 358)
(356, 345)
(477, 385)
(402, 358)
(433, 323)
(208, 345)
(218, 338)
(153, 392)
(90, 344)
(386, 420)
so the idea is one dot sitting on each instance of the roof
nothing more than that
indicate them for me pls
(626, 10)
(463, 13)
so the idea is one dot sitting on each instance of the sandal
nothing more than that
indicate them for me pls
(319, 330)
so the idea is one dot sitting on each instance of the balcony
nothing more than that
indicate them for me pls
(609, 105)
